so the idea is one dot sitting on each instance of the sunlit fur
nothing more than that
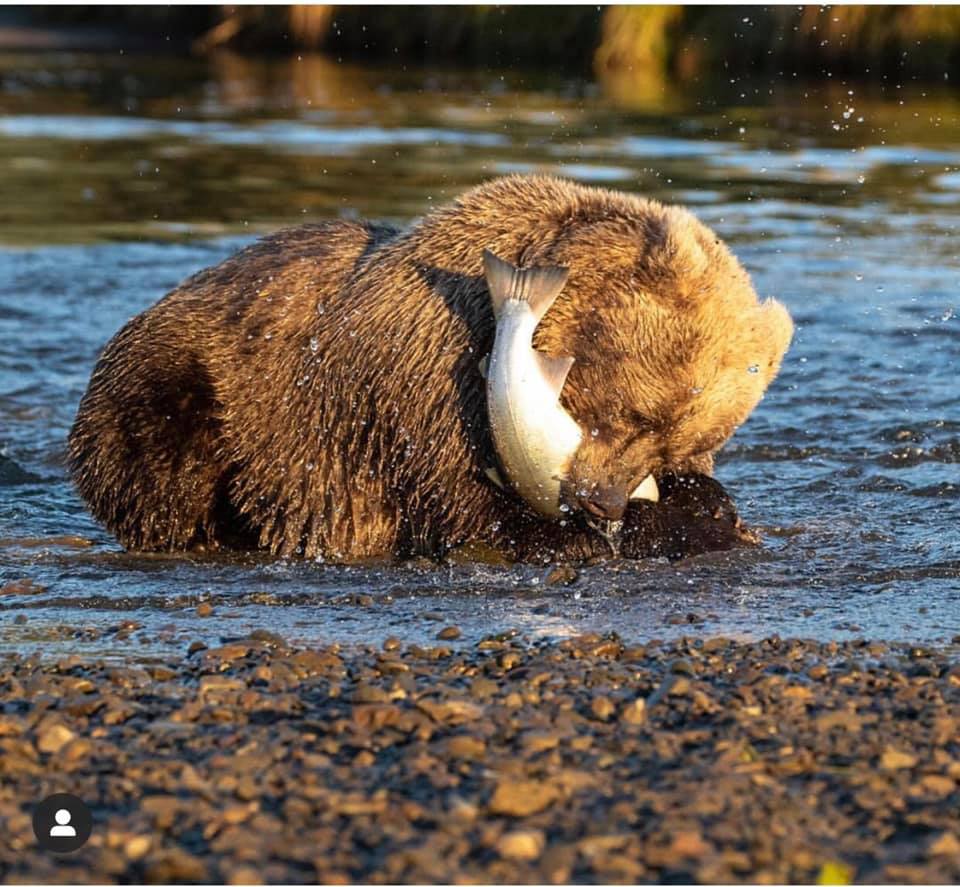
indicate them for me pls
(319, 392)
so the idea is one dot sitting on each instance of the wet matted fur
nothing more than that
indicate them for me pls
(319, 392)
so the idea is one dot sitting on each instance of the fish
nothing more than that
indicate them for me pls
(534, 436)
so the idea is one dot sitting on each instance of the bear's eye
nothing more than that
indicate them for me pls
(638, 429)
(637, 421)
(642, 426)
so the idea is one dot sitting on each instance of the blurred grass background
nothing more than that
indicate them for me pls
(680, 42)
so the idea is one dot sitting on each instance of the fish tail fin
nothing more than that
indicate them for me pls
(538, 287)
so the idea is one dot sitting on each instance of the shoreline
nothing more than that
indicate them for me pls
(583, 760)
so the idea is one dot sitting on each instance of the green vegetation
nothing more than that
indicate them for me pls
(680, 42)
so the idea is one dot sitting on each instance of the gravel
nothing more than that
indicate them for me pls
(504, 761)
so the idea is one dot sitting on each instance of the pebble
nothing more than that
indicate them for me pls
(634, 712)
(521, 798)
(563, 574)
(945, 844)
(538, 741)
(776, 761)
(602, 708)
(450, 633)
(524, 845)
(509, 660)
(893, 759)
(469, 747)
(137, 847)
(53, 737)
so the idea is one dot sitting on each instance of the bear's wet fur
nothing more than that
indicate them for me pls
(319, 394)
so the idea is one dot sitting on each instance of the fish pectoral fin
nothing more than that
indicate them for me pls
(554, 370)
(494, 476)
(538, 287)
(484, 365)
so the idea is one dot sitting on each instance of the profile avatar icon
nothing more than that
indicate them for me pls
(62, 823)
(63, 829)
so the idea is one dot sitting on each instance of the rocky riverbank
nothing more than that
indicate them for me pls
(584, 760)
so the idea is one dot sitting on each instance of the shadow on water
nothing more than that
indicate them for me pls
(123, 175)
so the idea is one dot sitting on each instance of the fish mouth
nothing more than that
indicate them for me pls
(609, 531)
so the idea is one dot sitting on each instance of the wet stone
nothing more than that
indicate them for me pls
(521, 798)
(894, 759)
(537, 741)
(580, 762)
(602, 708)
(53, 736)
(525, 845)
(634, 712)
(561, 575)
(269, 638)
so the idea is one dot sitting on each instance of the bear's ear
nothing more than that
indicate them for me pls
(775, 331)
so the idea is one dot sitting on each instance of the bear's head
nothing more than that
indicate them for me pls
(672, 348)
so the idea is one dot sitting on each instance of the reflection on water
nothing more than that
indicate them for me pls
(124, 175)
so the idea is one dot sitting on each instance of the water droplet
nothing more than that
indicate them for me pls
(594, 432)
(861, 179)
(314, 344)
(858, 277)
(564, 507)
(753, 368)
(696, 391)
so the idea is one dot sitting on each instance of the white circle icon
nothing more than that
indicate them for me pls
(63, 829)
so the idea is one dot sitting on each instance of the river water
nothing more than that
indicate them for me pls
(123, 175)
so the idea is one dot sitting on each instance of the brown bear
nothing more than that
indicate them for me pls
(319, 393)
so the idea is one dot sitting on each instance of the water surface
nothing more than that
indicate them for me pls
(123, 175)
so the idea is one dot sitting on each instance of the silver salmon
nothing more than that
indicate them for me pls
(535, 437)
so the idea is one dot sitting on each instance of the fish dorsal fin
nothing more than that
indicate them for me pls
(554, 370)
(538, 287)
